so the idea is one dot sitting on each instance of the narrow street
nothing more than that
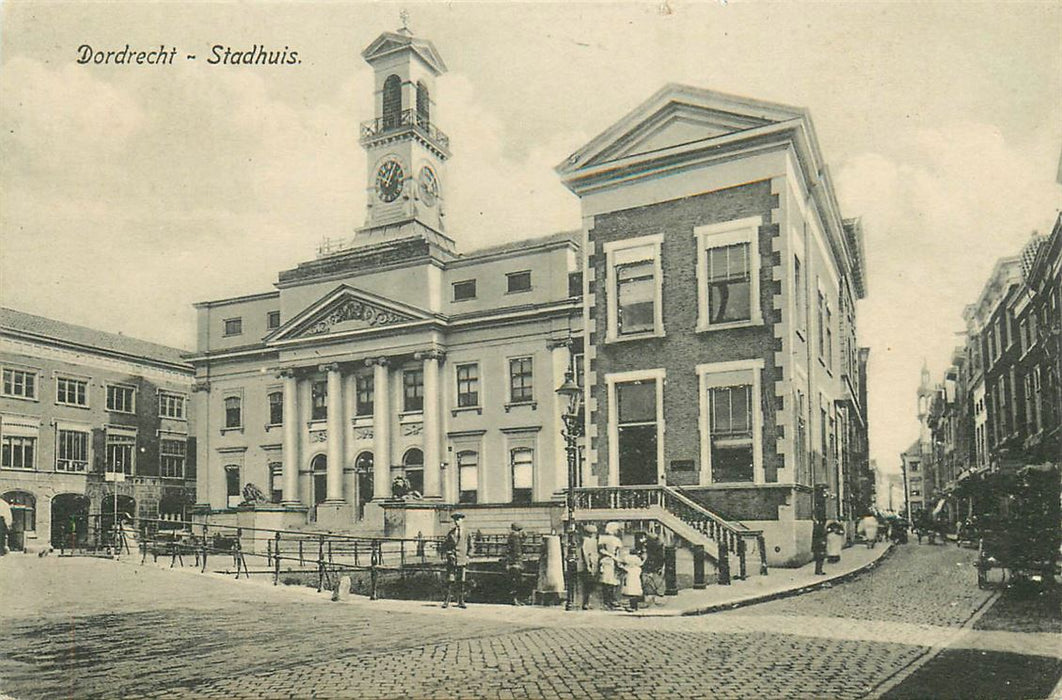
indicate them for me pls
(916, 626)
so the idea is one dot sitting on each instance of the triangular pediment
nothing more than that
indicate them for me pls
(346, 309)
(676, 116)
(391, 42)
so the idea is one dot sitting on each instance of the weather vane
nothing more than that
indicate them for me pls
(404, 16)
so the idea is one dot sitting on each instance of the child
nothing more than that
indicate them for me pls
(632, 579)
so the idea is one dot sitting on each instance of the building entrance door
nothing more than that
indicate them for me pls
(637, 455)
(319, 465)
(70, 516)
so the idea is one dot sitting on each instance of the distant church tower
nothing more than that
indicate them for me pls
(406, 151)
(925, 400)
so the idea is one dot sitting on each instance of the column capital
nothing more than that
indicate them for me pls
(377, 361)
(201, 385)
(285, 373)
(554, 343)
(328, 367)
(432, 354)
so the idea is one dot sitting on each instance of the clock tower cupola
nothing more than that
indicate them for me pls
(406, 150)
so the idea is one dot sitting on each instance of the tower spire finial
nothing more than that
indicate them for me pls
(404, 16)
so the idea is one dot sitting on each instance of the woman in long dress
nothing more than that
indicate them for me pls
(609, 545)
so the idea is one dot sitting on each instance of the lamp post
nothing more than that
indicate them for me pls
(571, 431)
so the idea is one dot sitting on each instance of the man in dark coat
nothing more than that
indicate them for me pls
(587, 562)
(457, 547)
(818, 545)
(514, 562)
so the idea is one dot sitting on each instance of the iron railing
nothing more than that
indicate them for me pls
(400, 121)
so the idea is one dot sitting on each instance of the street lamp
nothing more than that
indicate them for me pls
(573, 429)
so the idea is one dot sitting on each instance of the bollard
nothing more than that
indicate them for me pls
(670, 571)
(742, 570)
(724, 563)
(761, 545)
(301, 562)
(373, 572)
(698, 566)
(320, 563)
(203, 547)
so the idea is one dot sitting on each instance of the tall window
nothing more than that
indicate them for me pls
(822, 325)
(730, 413)
(20, 383)
(18, 452)
(233, 412)
(521, 380)
(413, 389)
(172, 455)
(829, 336)
(121, 398)
(364, 395)
(467, 476)
(392, 102)
(467, 385)
(636, 432)
(232, 485)
(72, 451)
(276, 407)
(171, 405)
(121, 450)
(272, 320)
(276, 482)
(729, 283)
(319, 397)
(636, 296)
(72, 392)
(413, 463)
(523, 467)
(800, 300)
(423, 105)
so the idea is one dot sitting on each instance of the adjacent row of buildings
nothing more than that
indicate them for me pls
(706, 308)
(999, 406)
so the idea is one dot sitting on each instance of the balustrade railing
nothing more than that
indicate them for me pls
(399, 121)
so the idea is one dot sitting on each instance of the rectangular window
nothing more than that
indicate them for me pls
(71, 392)
(233, 494)
(276, 482)
(829, 337)
(467, 477)
(276, 407)
(523, 467)
(1000, 339)
(1023, 335)
(18, 452)
(467, 385)
(413, 390)
(800, 443)
(71, 451)
(233, 326)
(466, 289)
(521, 384)
(319, 397)
(171, 406)
(800, 302)
(121, 399)
(20, 383)
(730, 413)
(120, 453)
(729, 284)
(822, 325)
(1038, 405)
(518, 281)
(364, 390)
(172, 454)
(636, 429)
(1032, 328)
(636, 296)
(273, 320)
(233, 412)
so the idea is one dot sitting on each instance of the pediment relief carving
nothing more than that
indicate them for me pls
(352, 313)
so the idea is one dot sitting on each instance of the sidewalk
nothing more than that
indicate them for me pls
(779, 583)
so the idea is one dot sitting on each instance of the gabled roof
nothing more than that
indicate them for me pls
(59, 332)
(677, 115)
(390, 43)
(346, 310)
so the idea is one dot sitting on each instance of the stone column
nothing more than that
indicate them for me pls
(334, 493)
(291, 438)
(432, 423)
(381, 429)
(201, 400)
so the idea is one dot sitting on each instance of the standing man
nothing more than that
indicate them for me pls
(587, 562)
(514, 562)
(457, 548)
(818, 545)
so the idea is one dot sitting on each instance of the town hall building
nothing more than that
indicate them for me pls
(706, 309)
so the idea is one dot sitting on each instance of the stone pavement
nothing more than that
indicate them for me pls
(908, 628)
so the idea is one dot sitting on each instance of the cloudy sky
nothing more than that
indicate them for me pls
(130, 192)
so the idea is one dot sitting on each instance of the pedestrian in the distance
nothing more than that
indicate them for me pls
(457, 547)
(514, 562)
(868, 527)
(818, 545)
(609, 545)
(587, 563)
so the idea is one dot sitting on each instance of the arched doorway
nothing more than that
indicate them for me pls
(70, 521)
(363, 465)
(413, 464)
(23, 517)
(319, 467)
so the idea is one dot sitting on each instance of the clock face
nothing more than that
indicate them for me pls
(429, 185)
(389, 181)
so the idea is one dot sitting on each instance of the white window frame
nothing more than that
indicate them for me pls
(509, 380)
(123, 436)
(173, 395)
(479, 385)
(64, 427)
(716, 374)
(478, 470)
(225, 411)
(744, 230)
(125, 387)
(181, 440)
(238, 321)
(36, 374)
(72, 378)
(614, 254)
(611, 380)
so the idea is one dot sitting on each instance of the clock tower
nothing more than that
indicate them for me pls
(406, 151)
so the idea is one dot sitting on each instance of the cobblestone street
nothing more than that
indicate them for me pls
(96, 628)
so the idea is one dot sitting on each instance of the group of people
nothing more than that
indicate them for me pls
(603, 561)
